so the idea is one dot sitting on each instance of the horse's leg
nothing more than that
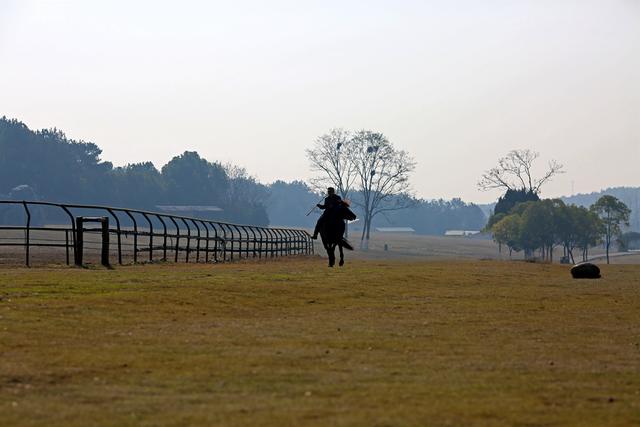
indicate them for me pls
(327, 248)
(331, 251)
(341, 255)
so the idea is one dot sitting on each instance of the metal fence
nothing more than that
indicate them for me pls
(55, 231)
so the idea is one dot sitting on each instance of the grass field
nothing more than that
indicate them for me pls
(407, 247)
(414, 247)
(290, 342)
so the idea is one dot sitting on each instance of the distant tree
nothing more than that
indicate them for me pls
(542, 225)
(242, 186)
(567, 223)
(515, 172)
(330, 158)
(57, 168)
(506, 231)
(245, 197)
(538, 229)
(192, 180)
(289, 202)
(590, 230)
(383, 177)
(613, 213)
(138, 185)
(512, 198)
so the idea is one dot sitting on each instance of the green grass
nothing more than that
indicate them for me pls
(294, 343)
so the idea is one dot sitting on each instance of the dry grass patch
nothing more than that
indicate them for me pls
(294, 343)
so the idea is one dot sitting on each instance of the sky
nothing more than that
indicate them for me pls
(456, 83)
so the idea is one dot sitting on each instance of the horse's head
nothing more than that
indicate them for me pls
(347, 213)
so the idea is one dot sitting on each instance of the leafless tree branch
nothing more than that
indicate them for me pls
(515, 172)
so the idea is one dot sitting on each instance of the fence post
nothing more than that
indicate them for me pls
(197, 240)
(27, 232)
(177, 248)
(135, 236)
(164, 237)
(66, 244)
(206, 247)
(79, 243)
(144, 214)
(215, 241)
(73, 229)
(188, 248)
(105, 241)
(232, 241)
(117, 235)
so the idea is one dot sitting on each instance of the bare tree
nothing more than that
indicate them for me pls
(515, 172)
(330, 159)
(383, 177)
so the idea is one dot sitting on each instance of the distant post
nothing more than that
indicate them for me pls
(79, 245)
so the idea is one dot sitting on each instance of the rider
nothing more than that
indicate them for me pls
(332, 200)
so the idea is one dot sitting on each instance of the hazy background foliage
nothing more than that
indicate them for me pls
(47, 165)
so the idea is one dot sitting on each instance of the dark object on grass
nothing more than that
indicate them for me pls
(585, 270)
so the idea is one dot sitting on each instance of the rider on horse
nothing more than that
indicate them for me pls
(332, 200)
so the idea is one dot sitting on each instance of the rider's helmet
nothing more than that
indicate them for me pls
(331, 190)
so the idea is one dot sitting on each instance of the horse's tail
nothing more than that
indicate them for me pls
(346, 244)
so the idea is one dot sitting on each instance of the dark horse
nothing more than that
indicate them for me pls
(332, 231)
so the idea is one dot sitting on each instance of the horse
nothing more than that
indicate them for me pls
(332, 231)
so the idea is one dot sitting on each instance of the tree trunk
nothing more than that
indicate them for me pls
(364, 239)
(608, 236)
(364, 231)
(368, 235)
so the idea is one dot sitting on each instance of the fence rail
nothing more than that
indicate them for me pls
(133, 235)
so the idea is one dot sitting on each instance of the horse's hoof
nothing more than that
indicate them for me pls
(341, 263)
(331, 265)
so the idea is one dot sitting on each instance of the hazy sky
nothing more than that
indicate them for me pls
(455, 83)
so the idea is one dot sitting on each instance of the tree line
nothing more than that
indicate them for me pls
(523, 222)
(289, 202)
(46, 165)
(56, 168)
(541, 226)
